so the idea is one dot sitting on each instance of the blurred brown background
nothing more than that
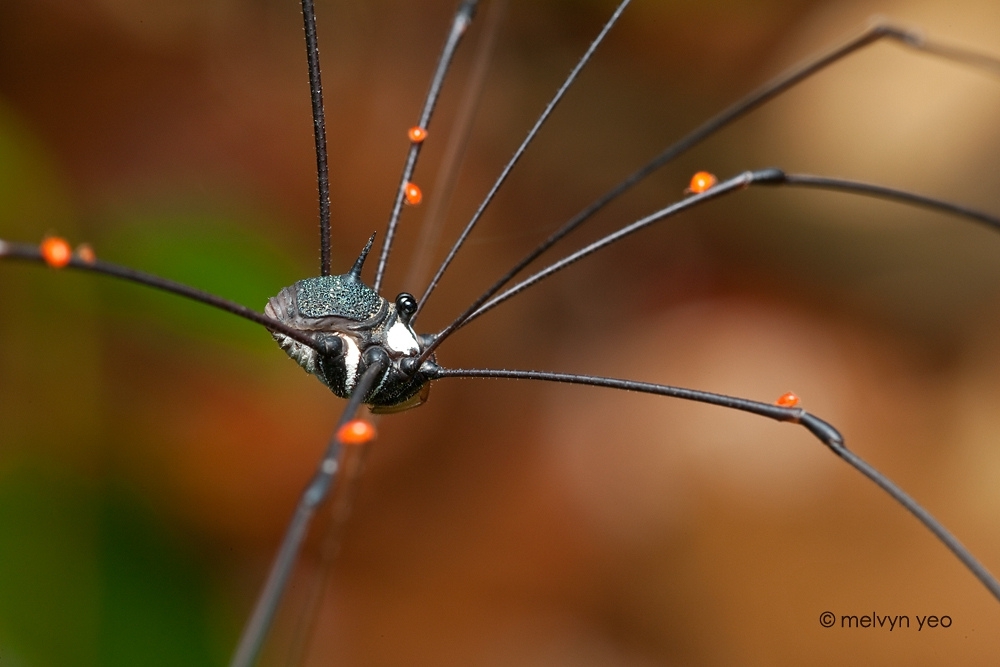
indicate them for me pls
(151, 451)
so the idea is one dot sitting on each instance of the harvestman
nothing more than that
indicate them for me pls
(365, 348)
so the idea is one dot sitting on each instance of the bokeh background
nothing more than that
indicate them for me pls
(151, 451)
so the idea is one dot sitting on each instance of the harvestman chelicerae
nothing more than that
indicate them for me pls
(407, 354)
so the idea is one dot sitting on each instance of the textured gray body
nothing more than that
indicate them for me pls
(337, 296)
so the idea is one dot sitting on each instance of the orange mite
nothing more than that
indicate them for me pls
(701, 181)
(56, 252)
(788, 400)
(417, 134)
(413, 194)
(356, 432)
(86, 253)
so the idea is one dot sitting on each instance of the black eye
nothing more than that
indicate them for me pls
(406, 305)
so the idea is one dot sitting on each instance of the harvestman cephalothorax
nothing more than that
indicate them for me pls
(585, 303)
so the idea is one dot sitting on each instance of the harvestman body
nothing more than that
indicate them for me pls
(355, 327)
(364, 348)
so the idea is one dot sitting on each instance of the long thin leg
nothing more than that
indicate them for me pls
(772, 177)
(825, 432)
(350, 466)
(319, 132)
(318, 489)
(32, 253)
(460, 23)
(454, 151)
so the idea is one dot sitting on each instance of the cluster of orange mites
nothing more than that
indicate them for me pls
(57, 253)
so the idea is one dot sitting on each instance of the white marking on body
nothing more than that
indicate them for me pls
(352, 357)
(400, 339)
(330, 466)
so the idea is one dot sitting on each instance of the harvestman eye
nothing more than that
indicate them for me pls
(370, 350)
(406, 306)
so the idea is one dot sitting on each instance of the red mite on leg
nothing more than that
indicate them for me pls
(356, 432)
(417, 134)
(788, 400)
(413, 194)
(56, 252)
(701, 182)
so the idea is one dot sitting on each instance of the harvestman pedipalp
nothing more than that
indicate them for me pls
(740, 182)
